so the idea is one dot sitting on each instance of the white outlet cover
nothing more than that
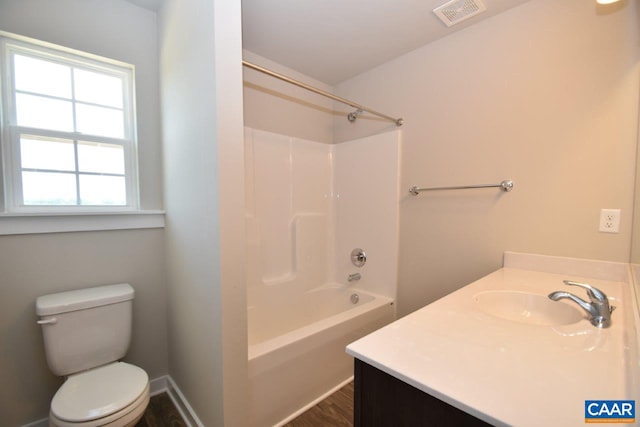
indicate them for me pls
(610, 220)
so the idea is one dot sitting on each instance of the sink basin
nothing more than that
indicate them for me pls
(528, 308)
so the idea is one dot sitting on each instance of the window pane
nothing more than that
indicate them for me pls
(44, 113)
(73, 129)
(100, 158)
(46, 153)
(99, 121)
(102, 190)
(98, 88)
(40, 76)
(43, 188)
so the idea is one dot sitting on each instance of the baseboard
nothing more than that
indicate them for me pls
(156, 386)
(40, 423)
(313, 403)
(183, 406)
(166, 384)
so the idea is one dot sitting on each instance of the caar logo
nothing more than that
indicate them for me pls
(609, 411)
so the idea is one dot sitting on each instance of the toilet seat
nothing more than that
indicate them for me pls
(101, 396)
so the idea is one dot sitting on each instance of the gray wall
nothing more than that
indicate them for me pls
(204, 195)
(545, 94)
(33, 265)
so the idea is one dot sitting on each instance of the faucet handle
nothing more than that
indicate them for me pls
(595, 294)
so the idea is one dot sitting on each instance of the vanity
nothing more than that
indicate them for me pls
(500, 352)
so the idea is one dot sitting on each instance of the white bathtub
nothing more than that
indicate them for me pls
(297, 347)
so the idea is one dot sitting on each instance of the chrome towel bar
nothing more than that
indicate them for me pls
(506, 185)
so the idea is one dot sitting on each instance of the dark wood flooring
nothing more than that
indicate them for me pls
(161, 412)
(335, 411)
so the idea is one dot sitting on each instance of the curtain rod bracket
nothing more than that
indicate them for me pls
(354, 115)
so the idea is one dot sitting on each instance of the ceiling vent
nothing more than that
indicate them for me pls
(456, 11)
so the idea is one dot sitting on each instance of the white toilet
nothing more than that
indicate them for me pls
(86, 332)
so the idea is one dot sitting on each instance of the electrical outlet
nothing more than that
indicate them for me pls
(610, 220)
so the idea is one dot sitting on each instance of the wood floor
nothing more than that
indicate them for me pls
(335, 411)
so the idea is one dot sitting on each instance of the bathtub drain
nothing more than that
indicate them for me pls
(355, 298)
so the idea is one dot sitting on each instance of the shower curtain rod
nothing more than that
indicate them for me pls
(351, 116)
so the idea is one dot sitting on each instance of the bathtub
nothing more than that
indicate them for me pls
(297, 347)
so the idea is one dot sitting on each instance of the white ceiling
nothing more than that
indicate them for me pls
(334, 40)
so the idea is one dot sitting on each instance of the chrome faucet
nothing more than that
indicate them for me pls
(598, 309)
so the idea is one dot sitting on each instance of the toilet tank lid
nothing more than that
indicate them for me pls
(80, 299)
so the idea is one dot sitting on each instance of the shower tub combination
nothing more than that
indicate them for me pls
(308, 206)
(297, 347)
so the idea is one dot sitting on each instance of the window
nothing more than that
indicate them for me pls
(68, 130)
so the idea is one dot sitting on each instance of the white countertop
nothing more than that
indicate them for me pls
(514, 373)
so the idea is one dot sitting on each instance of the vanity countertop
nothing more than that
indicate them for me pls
(509, 372)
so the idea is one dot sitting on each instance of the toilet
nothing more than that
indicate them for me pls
(86, 332)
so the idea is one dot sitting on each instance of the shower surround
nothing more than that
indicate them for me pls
(308, 205)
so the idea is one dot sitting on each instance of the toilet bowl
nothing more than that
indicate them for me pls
(86, 333)
(113, 395)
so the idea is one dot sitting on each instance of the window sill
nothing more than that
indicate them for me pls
(37, 223)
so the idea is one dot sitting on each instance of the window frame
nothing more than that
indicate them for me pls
(10, 132)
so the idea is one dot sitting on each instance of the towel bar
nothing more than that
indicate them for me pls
(506, 186)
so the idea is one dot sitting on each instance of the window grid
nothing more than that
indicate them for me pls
(14, 199)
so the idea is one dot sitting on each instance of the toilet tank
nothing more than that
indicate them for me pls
(85, 328)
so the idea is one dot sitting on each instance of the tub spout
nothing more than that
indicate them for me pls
(354, 276)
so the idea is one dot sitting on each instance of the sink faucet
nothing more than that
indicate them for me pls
(598, 309)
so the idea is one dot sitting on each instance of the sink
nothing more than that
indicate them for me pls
(526, 307)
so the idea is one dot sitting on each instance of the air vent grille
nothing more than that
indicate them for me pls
(456, 11)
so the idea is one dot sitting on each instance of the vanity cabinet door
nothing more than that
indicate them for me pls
(381, 400)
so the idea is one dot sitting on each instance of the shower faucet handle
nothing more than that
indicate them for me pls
(358, 257)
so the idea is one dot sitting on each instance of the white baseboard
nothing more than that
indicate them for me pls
(183, 406)
(40, 423)
(156, 386)
(313, 403)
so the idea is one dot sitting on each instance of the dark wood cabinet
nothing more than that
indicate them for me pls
(381, 400)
